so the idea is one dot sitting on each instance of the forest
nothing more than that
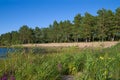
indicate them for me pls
(105, 26)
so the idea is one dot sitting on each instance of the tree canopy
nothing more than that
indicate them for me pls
(105, 26)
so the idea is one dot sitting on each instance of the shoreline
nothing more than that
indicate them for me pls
(79, 44)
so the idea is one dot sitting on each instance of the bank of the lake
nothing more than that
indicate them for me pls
(51, 47)
(79, 44)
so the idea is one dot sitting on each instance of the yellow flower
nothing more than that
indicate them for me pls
(73, 68)
(101, 57)
(105, 73)
(110, 58)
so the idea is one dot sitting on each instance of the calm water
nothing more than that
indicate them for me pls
(4, 51)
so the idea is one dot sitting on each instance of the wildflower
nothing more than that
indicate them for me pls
(4, 77)
(73, 68)
(105, 73)
(109, 58)
(12, 77)
(101, 58)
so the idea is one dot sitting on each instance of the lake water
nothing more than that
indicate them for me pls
(4, 51)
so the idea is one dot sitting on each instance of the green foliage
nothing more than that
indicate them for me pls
(105, 26)
(82, 64)
(25, 34)
(15, 37)
(6, 39)
(87, 27)
(37, 35)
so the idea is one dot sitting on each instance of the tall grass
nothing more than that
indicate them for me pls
(87, 64)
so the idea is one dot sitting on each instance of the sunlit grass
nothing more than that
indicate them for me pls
(87, 64)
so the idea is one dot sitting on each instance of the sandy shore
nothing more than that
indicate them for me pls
(80, 45)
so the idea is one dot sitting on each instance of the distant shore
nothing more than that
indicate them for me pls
(80, 44)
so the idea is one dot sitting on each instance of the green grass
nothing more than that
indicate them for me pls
(87, 64)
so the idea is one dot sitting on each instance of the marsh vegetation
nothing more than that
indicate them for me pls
(83, 64)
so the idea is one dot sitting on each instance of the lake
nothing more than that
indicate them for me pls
(35, 50)
(4, 51)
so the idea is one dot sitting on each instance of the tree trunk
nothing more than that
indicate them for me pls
(86, 40)
(93, 39)
(89, 40)
(102, 39)
(113, 38)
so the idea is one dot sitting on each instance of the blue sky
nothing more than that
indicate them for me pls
(15, 13)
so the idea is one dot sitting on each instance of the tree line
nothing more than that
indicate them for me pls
(105, 26)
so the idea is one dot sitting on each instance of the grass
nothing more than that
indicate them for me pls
(87, 64)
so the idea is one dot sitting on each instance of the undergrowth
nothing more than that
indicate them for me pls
(87, 64)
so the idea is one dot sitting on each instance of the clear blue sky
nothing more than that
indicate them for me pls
(15, 13)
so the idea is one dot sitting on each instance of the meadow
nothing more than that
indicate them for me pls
(82, 64)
